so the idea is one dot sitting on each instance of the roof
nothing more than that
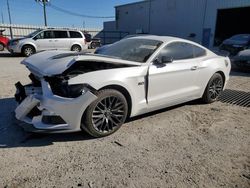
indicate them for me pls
(60, 29)
(160, 38)
(166, 39)
(140, 2)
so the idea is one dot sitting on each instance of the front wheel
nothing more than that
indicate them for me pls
(213, 89)
(1, 47)
(28, 50)
(106, 114)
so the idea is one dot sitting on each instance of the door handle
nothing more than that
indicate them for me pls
(194, 68)
(56, 40)
(50, 40)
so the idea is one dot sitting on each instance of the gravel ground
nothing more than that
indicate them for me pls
(190, 145)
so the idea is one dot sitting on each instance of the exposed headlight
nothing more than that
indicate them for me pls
(76, 90)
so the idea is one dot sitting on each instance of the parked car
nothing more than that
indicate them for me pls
(97, 92)
(236, 43)
(48, 39)
(100, 49)
(242, 59)
(95, 43)
(88, 37)
(3, 40)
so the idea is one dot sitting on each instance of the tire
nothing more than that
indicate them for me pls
(28, 50)
(76, 48)
(1, 46)
(213, 89)
(93, 46)
(106, 114)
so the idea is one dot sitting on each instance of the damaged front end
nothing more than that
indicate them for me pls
(49, 104)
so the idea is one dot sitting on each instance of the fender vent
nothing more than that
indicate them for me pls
(235, 97)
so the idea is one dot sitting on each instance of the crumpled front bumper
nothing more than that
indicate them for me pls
(70, 110)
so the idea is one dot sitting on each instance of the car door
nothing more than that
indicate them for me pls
(61, 40)
(173, 82)
(44, 40)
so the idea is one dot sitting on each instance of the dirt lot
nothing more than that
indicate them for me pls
(191, 145)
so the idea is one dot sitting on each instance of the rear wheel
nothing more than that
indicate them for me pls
(213, 89)
(106, 114)
(28, 50)
(1, 46)
(76, 48)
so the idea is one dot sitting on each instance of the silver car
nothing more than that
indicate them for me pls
(48, 39)
(97, 92)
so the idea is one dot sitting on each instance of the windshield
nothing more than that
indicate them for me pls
(243, 37)
(132, 49)
(33, 33)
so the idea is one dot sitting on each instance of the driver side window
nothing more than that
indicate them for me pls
(39, 36)
(177, 51)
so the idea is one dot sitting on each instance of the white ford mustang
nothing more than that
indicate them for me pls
(97, 92)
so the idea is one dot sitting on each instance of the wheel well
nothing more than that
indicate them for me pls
(124, 92)
(28, 45)
(223, 76)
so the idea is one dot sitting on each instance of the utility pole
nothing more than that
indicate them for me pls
(44, 12)
(8, 6)
(2, 18)
(83, 24)
(44, 3)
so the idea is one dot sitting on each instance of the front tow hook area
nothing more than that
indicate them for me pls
(20, 92)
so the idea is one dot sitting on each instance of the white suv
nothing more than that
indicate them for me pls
(48, 39)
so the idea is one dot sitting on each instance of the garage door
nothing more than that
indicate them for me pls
(230, 22)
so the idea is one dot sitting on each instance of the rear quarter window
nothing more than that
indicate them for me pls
(199, 52)
(75, 34)
(178, 51)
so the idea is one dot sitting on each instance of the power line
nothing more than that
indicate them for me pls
(77, 14)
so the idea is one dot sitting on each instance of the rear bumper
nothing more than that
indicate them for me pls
(242, 63)
(35, 107)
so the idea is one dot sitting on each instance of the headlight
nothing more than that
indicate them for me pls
(76, 90)
(15, 42)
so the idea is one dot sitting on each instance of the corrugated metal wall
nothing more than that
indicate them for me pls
(174, 17)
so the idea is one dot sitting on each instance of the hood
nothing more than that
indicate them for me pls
(244, 53)
(234, 42)
(17, 39)
(55, 62)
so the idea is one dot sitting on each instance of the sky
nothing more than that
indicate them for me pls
(29, 12)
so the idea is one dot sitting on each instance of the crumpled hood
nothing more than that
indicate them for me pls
(55, 62)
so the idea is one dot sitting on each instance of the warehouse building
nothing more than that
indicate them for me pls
(205, 21)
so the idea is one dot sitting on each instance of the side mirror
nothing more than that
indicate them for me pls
(166, 59)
